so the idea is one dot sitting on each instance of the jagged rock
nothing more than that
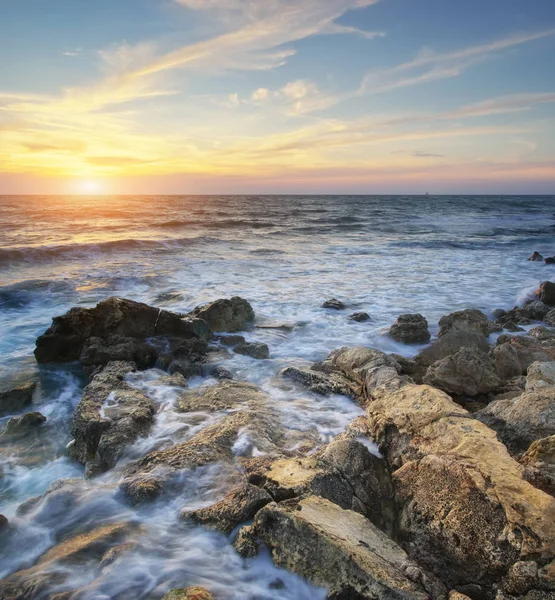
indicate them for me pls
(522, 420)
(231, 340)
(191, 593)
(316, 382)
(359, 317)
(97, 351)
(410, 329)
(253, 349)
(225, 315)
(16, 399)
(550, 260)
(549, 318)
(445, 466)
(24, 423)
(52, 568)
(246, 543)
(535, 257)
(113, 318)
(512, 327)
(238, 506)
(221, 373)
(514, 355)
(224, 396)
(543, 335)
(110, 416)
(469, 319)
(539, 464)
(468, 372)
(339, 549)
(540, 375)
(454, 595)
(175, 380)
(534, 310)
(546, 293)
(450, 343)
(521, 578)
(334, 304)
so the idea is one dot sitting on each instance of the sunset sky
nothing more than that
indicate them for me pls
(277, 96)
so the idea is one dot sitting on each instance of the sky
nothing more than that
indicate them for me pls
(277, 96)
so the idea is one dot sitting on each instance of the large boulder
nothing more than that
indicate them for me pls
(539, 464)
(513, 355)
(342, 550)
(253, 349)
(15, 399)
(450, 343)
(225, 315)
(97, 351)
(110, 416)
(469, 319)
(520, 421)
(410, 329)
(113, 319)
(334, 304)
(540, 375)
(468, 372)
(546, 293)
(25, 423)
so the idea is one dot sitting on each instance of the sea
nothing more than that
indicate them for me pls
(383, 255)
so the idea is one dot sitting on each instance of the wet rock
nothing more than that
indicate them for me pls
(113, 318)
(114, 553)
(253, 349)
(3, 522)
(16, 399)
(410, 329)
(225, 315)
(97, 351)
(542, 334)
(246, 543)
(535, 257)
(539, 464)
(24, 423)
(450, 343)
(231, 340)
(540, 375)
(334, 304)
(238, 506)
(110, 416)
(221, 373)
(522, 420)
(550, 260)
(191, 593)
(175, 380)
(224, 396)
(467, 372)
(512, 327)
(359, 317)
(316, 382)
(546, 293)
(339, 549)
(498, 313)
(550, 318)
(534, 310)
(469, 319)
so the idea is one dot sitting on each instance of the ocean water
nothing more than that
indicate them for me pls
(384, 255)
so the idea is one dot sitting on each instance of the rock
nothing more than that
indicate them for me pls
(334, 304)
(221, 373)
(534, 310)
(359, 317)
(550, 260)
(539, 464)
(513, 355)
(238, 506)
(16, 399)
(190, 593)
(542, 334)
(469, 319)
(24, 423)
(339, 549)
(512, 327)
(546, 293)
(316, 382)
(3, 522)
(535, 257)
(175, 380)
(445, 465)
(450, 343)
(97, 351)
(246, 543)
(540, 375)
(410, 329)
(468, 372)
(498, 313)
(231, 340)
(521, 578)
(549, 318)
(522, 420)
(454, 595)
(115, 318)
(110, 416)
(224, 396)
(225, 315)
(114, 553)
(253, 349)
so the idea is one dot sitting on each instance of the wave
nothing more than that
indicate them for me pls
(267, 251)
(22, 293)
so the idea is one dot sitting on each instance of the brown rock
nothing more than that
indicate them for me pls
(539, 464)
(190, 593)
(469, 319)
(246, 543)
(535, 257)
(450, 343)
(253, 349)
(546, 293)
(225, 315)
(16, 399)
(24, 423)
(410, 329)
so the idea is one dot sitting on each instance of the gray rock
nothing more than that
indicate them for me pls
(225, 315)
(535, 257)
(549, 318)
(359, 317)
(540, 375)
(16, 399)
(24, 423)
(546, 293)
(534, 310)
(253, 349)
(410, 329)
(97, 351)
(469, 319)
(334, 304)
(450, 343)
(221, 373)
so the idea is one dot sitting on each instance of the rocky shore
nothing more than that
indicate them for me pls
(443, 489)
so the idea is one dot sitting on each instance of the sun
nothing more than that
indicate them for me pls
(89, 187)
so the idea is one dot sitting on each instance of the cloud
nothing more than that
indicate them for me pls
(419, 154)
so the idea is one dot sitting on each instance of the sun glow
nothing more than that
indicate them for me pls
(89, 187)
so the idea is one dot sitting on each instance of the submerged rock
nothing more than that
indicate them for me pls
(112, 320)
(24, 423)
(225, 315)
(468, 372)
(16, 399)
(359, 317)
(410, 329)
(546, 293)
(340, 549)
(469, 319)
(334, 304)
(253, 349)
(535, 257)
(191, 593)
(224, 396)
(110, 416)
